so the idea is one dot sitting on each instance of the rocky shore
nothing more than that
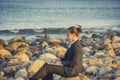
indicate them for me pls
(20, 59)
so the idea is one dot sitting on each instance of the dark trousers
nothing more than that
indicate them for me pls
(46, 72)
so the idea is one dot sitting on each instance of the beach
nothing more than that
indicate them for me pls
(21, 58)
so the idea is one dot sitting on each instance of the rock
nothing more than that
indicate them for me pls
(110, 50)
(10, 78)
(47, 57)
(54, 40)
(99, 54)
(29, 54)
(45, 44)
(116, 45)
(15, 45)
(71, 78)
(86, 49)
(104, 69)
(3, 78)
(84, 77)
(108, 60)
(26, 64)
(85, 41)
(60, 51)
(35, 50)
(50, 50)
(85, 65)
(117, 72)
(1, 74)
(95, 36)
(117, 78)
(106, 76)
(20, 78)
(5, 54)
(35, 66)
(107, 41)
(23, 58)
(91, 69)
(116, 39)
(3, 42)
(17, 39)
(94, 62)
(118, 62)
(19, 59)
(21, 73)
(10, 70)
(109, 34)
(113, 65)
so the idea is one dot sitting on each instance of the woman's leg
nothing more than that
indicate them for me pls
(40, 74)
(48, 77)
(48, 69)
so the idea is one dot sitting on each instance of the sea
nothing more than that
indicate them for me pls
(37, 14)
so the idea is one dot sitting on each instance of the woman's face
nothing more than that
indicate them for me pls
(69, 35)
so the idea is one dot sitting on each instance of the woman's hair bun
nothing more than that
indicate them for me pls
(79, 28)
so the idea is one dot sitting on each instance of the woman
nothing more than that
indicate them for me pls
(72, 63)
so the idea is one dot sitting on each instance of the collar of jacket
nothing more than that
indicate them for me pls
(69, 45)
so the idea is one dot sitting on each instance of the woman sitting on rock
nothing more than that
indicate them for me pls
(72, 63)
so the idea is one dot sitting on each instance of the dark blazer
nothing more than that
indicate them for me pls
(73, 59)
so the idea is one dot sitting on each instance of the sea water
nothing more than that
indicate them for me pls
(17, 14)
(37, 14)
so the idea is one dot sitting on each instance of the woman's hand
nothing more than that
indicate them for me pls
(56, 61)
